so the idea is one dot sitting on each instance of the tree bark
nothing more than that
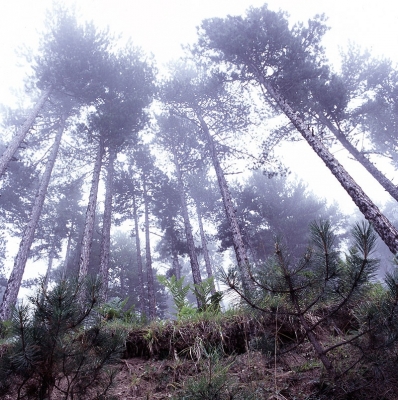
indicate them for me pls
(106, 226)
(15, 279)
(87, 239)
(149, 271)
(371, 212)
(230, 211)
(20, 136)
(67, 254)
(176, 263)
(139, 258)
(197, 279)
(361, 158)
(206, 256)
(49, 266)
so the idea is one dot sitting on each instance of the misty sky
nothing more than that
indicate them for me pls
(161, 26)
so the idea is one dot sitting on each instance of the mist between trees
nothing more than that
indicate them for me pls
(118, 173)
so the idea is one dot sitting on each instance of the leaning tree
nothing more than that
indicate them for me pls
(261, 49)
(15, 279)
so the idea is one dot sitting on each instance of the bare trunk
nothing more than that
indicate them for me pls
(90, 216)
(67, 254)
(14, 282)
(371, 212)
(361, 158)
(20, 136)
(206, 256)
(139, 259)
(188, 228)
(240, 250)
(176, 263)
(149, 271)
(106, 226)
(49, 266)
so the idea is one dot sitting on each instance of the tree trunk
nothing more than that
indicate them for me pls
(106, 226)
(188, 228)
(366, 163)
(139, 259)
(49, 266)
(67, 254)
(176, 264)
(14, 282)
(240, 250)
(371, 212)
(87, 239)
(206, 256)
(20, 136)
(174, 257)
(149, 271)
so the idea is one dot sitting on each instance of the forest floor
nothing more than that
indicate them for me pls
(253, 375)
(232, 357)
(293, 377)
(236, 354)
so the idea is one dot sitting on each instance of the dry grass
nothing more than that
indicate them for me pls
(160, 360)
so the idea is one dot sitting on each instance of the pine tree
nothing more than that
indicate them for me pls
(177, 138)
(263, 50)
(15, 279)
(318, 280)
(202, 97)
(58, 345)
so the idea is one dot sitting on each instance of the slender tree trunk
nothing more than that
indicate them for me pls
(206, 256)
(149, 271)
(106, 226)
(67, 254)
(122, 277)
(87, 239)
(371, 212)
(240, 250)
(139, 258)
(14, 282)
(174, 256)
(361, 158)
(49, 266)
(20, 136)
(187, 225)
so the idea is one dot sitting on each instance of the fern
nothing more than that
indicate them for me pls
(178, 291)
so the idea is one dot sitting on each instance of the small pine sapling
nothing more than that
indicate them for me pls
(319, 280)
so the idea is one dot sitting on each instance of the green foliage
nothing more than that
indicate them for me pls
(57, 345)
(203, 292)
(359, 266)
(214, 382)
(321, 281)
(178, 291)
(115, 309)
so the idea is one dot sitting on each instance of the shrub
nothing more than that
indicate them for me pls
(320, 282)
(58, 344)
(214, 382)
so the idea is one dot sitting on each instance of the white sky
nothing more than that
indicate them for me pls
(161, 26)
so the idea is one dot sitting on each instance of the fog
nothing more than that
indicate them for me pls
(133, 161)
